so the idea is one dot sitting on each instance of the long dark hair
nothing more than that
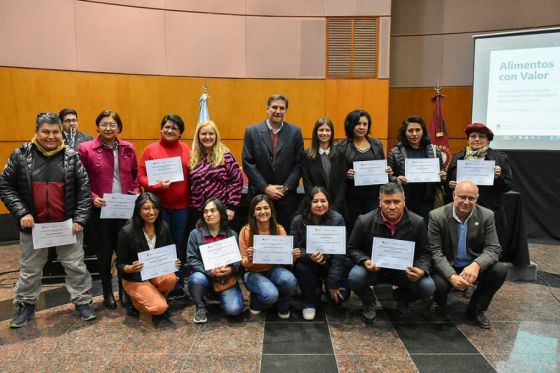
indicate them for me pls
(305, 205)
(314, 149)
(272, 223)
(137, 221)
(425, 140)
(224, 222)
(352, 120)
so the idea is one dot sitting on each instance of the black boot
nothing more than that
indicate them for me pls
(123, 297)
(108, 297)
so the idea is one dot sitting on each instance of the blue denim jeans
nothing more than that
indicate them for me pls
(177, 221)
(360, 280)
(277, 285)
(231, 300)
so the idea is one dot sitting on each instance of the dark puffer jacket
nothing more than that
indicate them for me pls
(16, 189)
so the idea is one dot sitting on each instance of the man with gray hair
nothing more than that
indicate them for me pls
(465, 251)
(393, 221)
(45, 182)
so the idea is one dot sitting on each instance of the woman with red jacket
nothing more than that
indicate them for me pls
(112, 168)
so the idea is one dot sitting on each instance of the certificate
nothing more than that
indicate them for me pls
(326, 239)
(479, 172)
(119, 206)
(370, 172)
(422, 170)
(158, 262)
(52, 234)
(391, 253)
(220, 253)
(273, 249)
(164, 169)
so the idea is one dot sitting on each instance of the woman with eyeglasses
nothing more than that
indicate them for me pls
(478, 148)
(112, 168)
(312, 268)
(214, 172)
(213, 227)
(145, 231)
(174, 195)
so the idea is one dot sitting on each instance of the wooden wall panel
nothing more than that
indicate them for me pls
(457, 107)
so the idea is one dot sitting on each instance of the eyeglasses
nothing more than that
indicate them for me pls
(73, 120)
(467, 198)
(108, 125)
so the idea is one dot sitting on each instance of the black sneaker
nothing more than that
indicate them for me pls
(85, 312)
(369, 313)
(23, 314)
(403, 307)
(177, 294)
(200, 317)
(478, 317)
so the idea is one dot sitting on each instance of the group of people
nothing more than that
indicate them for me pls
(64, 174)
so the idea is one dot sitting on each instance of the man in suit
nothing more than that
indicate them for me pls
(271, 155)
(70, 134)
(465, 251)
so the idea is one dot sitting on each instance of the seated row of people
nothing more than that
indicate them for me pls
(461, 242)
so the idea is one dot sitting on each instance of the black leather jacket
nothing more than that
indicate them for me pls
(16, 189)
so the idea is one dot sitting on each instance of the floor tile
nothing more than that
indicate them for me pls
(146, 362)
(175, 339)
(297, 338)
(222, 363)
(228, 339)
(426, 338)
(298, 363)
(379, 363)
(451, 363)
(523, 363)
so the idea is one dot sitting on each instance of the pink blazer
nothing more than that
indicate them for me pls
(99, 164)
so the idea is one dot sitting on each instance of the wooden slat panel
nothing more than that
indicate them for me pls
(339, 47)
(365, 45)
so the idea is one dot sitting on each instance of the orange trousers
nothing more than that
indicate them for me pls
(150, 296)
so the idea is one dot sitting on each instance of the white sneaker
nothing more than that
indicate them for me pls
(308, 313)
(254, 312)
(284, 316)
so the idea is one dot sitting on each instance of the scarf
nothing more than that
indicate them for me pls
(476, 154)
(47, 153)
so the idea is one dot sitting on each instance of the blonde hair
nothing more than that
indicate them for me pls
(216, 154)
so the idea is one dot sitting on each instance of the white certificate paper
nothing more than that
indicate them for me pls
(422, 170)
(326, 239)
(119, 206)
(480, 172)
(220, 253)
(370, 172)
(158, 262)
(391, 253)
(273, 249)
(164, 169)
(52, 234)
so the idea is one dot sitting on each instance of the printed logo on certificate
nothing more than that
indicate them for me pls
(326, 239)
(273, 249)
(392, 254)
(220, 253)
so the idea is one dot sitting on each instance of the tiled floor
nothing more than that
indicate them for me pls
(524, 338)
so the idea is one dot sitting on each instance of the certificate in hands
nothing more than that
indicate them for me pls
(119, 206)
(480, 172)
(393, 254)
(370, 172)
(422, 170)
(273, 249)
(52, 234)
(158, 262)
(220, 253)
(326, 239)
(164, 169)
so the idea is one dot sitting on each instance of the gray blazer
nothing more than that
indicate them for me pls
(482, 240)
(258, 157)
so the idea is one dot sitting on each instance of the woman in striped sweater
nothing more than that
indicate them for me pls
(214, 172)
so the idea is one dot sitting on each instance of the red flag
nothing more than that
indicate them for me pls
(438, 132)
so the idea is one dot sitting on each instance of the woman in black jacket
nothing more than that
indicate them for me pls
(414, 142)
(321, 165)
(358, 146)
(310, 268)
(145, 231)
(478, 148)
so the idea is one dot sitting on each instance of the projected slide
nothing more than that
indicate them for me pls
(524, 92)
(516, 88)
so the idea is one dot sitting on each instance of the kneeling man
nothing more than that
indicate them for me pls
(465, 250)
(390, 220)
